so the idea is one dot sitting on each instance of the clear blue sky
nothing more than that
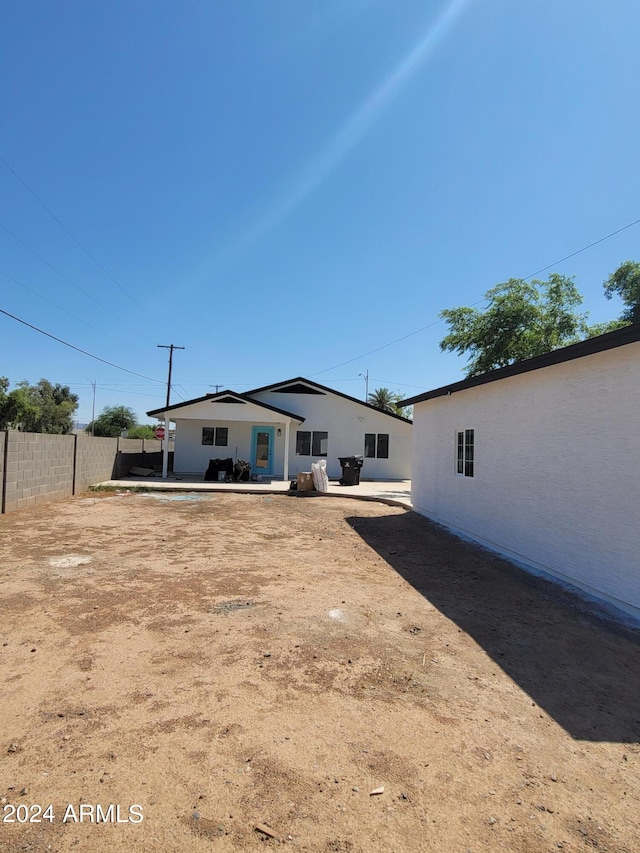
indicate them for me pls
(282, 187)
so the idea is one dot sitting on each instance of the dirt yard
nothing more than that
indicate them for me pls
(215, 664)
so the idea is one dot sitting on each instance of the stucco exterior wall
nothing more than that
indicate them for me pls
(346, 422)
(191, 456)
(557, 469)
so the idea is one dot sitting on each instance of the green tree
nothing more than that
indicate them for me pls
(142, 431)
(112, 420)
(44, 407)
(625, 281)
(522, 319)
(383, 398)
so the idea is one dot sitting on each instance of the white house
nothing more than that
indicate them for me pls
(540, 461)
(281, 429)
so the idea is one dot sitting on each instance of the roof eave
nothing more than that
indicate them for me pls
(590, 346)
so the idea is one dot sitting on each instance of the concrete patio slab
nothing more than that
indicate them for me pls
(395, 492)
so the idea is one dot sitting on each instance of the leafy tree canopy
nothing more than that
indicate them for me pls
(43, 407)
(625, 281)
(112, 420)
(142, 431)
(522, 319)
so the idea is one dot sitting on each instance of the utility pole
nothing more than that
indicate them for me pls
(93, 408)
(365, 376)
(165, 448)
(171, 348)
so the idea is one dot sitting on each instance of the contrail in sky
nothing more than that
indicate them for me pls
(356, 127)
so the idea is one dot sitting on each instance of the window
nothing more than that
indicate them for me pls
(319, 443)
(311, 443)
(383, 445)
(303, 443)
(215, 435)
(464, 452)
(376, 445)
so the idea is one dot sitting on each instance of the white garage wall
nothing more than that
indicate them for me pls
(557, 469)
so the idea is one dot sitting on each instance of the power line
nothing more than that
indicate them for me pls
(117, 391)
(56, 270)
(73, 237)
(77, 349)
(55, 305)
(590, 246)
(439, 320)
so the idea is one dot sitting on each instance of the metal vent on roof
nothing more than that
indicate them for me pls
(298, 388)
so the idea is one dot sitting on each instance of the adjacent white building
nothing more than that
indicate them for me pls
(281, 429)
(540, 461)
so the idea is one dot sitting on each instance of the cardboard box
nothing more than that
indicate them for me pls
(305, 482)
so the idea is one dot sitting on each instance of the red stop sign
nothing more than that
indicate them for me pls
(159, 432)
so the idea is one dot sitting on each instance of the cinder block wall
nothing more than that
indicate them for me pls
(95, 460)
(130, 452)
(142, 453)
(39, 468)
(2, 440)
(36, 468)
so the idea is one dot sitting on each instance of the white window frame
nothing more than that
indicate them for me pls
(466, 461)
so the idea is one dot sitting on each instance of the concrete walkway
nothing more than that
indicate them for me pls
(395, 492)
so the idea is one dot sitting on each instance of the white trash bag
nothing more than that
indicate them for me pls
(319, 474)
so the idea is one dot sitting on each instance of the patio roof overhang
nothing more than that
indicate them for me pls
(226, 406)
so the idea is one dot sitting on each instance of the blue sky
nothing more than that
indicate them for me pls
(285, 187)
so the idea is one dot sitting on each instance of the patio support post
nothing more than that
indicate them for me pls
(286, 450)
(165, 449)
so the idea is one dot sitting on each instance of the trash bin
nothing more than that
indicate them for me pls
(351, 466)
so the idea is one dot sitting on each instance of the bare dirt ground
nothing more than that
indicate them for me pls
(235, 661)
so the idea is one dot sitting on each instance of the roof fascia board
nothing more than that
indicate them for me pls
(327, 390)
(213, 398)
(601, 343)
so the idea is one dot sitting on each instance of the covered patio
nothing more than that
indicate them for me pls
(228, 425)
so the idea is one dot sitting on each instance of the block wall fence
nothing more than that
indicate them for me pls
(36, 468)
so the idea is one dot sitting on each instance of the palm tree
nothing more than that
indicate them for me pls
(383, 398)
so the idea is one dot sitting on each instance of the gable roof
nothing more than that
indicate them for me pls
(321, 389)
(227, 396)
(601, 343)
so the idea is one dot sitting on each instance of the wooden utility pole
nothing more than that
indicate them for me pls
(171, 348)
(165, 449)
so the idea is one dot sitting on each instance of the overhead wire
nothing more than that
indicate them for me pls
(78, 349)
(67, 231)
(55, 305)
(56, 270)
(116, 391)
(473, 304)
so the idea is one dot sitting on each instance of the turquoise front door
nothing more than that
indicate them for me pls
(262, 450)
